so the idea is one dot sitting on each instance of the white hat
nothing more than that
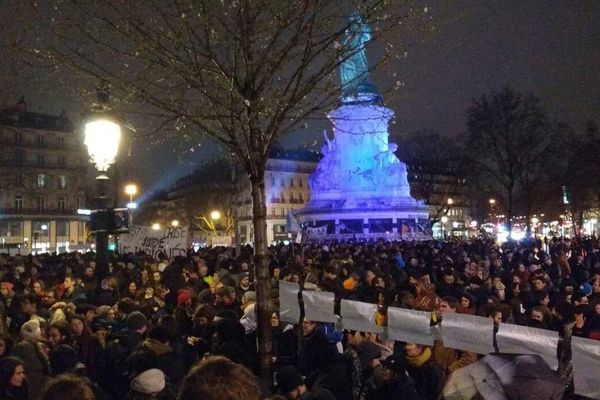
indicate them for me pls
(149, 382)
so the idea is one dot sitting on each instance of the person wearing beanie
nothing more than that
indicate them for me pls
(149, 385)
(397, 384)
(136, 322)
(290, 383)
(118, 350)
(369, 354)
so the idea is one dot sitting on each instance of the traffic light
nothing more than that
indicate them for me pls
(112, 220)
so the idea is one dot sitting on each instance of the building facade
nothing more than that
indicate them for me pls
(42, 179)
(286, 186)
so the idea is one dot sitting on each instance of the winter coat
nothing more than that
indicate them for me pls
(402, 387)
(117, 351)
(36, 367)
(285, 345)
(429, 380)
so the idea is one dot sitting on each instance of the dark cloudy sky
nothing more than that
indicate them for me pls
(549, 48)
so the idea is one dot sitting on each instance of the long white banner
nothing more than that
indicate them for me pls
(172, 241)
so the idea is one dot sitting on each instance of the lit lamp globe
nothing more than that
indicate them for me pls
(175, 223)
(102, 138)
(215, 215)
(131, 189)
(444, 219)
(155, 226)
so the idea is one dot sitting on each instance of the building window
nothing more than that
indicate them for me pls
(42, 181)
(61, 141)
(62, 228)
(272, 180)
(19, 179)
(40, 160)
(62, 182)
(283, 213)
(39, 140)
(62, 203)
(79, 203)
(41, 203)
(291, 182)
(291, 197)
(18, 137)
(301, 182)
(282, 182)
(301, 198)
(19, 203)
(61, 161)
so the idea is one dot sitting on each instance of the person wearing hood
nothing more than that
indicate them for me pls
(157, 348)
(229, 341)
(33, 354)
(119, 349)
(285, 342)
(397, 384)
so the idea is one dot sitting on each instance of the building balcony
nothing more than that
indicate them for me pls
(4, 212)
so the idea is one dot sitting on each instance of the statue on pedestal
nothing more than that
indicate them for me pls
(354, 69)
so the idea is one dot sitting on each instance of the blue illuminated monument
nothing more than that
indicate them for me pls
(359, 188)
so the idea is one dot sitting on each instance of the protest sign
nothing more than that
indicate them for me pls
(289, 309)
(171, 241)
(409, 326)
(586, 364)
(318, 306)
(516, 339)
(468, 332)
(357, 316)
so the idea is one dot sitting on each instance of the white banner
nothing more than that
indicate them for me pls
(468, 332)
(586, 366)
(289, 309)
(316, 231)
(411, 326)
(357, 316)
(172, 241)
(516, 339)
(318, 306)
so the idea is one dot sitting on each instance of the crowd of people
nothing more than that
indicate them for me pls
(186, 328)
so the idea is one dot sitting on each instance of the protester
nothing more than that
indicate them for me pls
(13, 385)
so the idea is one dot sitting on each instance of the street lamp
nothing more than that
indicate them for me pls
(102, 138)
(131, 190)
(155, 226)
(175, 223)
(215, 215)
(450, 201)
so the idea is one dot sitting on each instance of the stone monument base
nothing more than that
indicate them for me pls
(407, 220)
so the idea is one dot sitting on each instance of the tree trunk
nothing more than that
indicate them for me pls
(262, 280)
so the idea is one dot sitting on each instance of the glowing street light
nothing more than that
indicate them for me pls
(155, 226)
(492, 201)
(215, 215)
(450, 201)
(102, 136)
(131, 190)
(175, 223)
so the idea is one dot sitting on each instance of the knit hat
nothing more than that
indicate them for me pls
(183, 296)
(367, 351)
(136, 321)
(288, 378)
(586, 289)
(151, 381)
(395, 363)
(349, 284)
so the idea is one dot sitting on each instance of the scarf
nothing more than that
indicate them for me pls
(421, 359)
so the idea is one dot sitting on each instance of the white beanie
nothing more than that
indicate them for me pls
(149, 382)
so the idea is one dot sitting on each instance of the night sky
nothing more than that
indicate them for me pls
(548, 48)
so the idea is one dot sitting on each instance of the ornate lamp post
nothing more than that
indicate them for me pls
(102, 138)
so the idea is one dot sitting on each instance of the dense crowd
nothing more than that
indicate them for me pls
(186, 327)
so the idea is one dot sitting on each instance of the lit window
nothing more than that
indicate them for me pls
(42, 180)
(62, 182)
(40, 159)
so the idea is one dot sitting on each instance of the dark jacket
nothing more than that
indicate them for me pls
(399, 387)
(116, 382)
(429, 380)
(36, 367)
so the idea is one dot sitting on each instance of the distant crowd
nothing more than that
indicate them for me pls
(185, 328)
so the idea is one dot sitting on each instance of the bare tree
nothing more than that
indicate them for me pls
(506, 145)
(241, 72)
(437, 169)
